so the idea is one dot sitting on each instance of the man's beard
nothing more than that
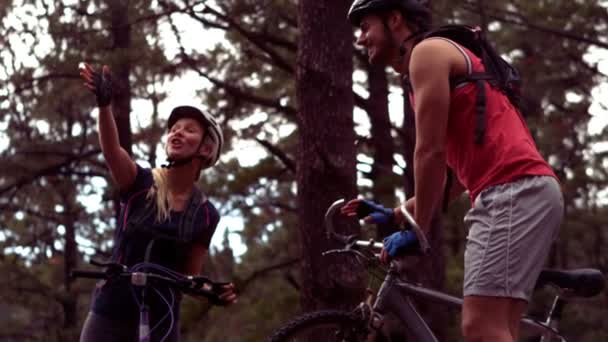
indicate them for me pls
(382, 53)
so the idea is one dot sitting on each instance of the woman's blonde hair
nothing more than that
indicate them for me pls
(160, 192)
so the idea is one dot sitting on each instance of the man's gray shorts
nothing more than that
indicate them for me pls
(511, 229)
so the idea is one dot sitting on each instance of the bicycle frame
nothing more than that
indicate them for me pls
(394, 296)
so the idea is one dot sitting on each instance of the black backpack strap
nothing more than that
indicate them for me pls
(137, 210)
(189, 222)
(480, 78)
(473, 77)
(473, 39)
(480, 108)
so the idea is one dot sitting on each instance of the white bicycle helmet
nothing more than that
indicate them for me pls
(213, 133)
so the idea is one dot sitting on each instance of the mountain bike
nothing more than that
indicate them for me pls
(146, 277)
(366, 321)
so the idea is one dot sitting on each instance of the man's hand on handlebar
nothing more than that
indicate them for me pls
(403, 241)
(369, 212)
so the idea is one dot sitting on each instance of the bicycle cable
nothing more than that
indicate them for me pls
(161, 270)
(169, 313)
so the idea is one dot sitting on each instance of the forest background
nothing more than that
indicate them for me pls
(306, 120)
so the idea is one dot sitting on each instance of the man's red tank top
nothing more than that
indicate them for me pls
(508, 151)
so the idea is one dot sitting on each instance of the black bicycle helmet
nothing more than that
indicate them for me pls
(208, 122)
(412, 8)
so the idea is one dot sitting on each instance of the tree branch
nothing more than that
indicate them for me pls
(257, 40)
(525, 22)
(284, 207)
(47, 170)
(14, 208)
(242, 94)
(261, 272)
(30, 83)
(277, 152)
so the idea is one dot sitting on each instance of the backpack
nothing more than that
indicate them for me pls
(498, 73)
(138, 211)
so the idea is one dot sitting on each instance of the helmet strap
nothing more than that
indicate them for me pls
(391, 39)
(171, 163)
(402, 48)
(388, 32)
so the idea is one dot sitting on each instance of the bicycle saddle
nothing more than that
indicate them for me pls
(582, 282)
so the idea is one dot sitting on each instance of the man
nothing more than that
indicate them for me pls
(517, 205)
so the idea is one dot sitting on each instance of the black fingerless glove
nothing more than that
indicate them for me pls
(103, 88)
(217, 289)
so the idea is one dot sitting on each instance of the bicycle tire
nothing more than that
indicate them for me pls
(323, 326)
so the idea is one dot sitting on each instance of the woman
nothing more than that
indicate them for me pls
(165, 219)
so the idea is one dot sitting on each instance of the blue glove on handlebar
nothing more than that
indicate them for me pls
(400, 242)
(379, 214)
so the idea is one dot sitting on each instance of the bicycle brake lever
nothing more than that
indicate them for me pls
(200, 281)
(351, 241)
(99, 263)
(211, 289)
(111, 267)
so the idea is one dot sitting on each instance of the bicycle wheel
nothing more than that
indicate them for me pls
(323, 326)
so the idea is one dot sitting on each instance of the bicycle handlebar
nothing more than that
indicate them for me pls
(88, 274)
(351, 240)
(425, 247)
(193, 285)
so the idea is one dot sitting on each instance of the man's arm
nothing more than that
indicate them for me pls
(430, 68)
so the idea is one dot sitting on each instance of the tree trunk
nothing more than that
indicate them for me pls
(326, 150)
(70, 260)
(383, 190)
(121, 70)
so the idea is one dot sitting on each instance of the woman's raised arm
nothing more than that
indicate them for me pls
(121, 166)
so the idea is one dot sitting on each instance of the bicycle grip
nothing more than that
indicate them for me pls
(203, 286)
(88, 274)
